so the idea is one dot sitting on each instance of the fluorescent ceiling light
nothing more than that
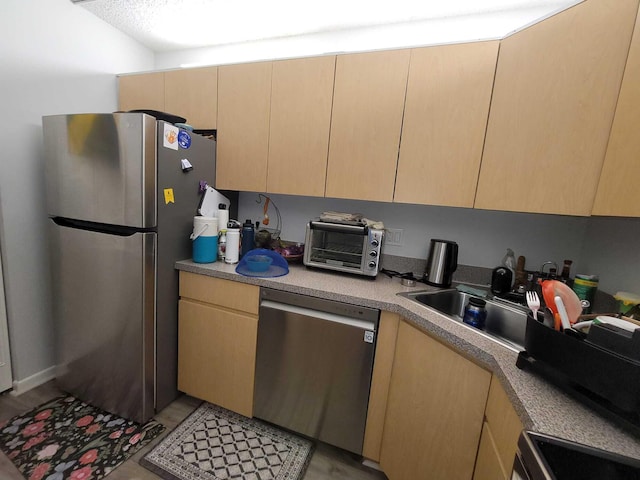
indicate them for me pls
(166, 25)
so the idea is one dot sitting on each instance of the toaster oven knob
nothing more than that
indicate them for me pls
(373, 253)
(375, 242)
(372, 264)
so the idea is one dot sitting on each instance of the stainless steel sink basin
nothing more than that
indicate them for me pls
(505, 322)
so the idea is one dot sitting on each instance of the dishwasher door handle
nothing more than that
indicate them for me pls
(330, 317)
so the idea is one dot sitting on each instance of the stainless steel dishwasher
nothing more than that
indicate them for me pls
(314, 365)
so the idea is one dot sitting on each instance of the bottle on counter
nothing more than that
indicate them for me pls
(223, 217)
(509, 261)
(566, 272)
(520, 280)
(222, 244)
(248, 237)
(233, 243)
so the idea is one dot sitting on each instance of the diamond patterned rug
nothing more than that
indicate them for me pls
(216, 444)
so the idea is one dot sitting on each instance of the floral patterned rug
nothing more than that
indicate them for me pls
(68, 439)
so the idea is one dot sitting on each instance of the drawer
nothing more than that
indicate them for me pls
(217, 291)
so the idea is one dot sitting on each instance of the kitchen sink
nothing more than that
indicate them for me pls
(506, 321)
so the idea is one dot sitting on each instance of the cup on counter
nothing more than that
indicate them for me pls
(585, 286)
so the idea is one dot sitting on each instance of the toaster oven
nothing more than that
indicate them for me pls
(352, 248)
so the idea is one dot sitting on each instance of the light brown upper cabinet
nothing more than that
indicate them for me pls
(301, 96)
(144, 91)
(190, 93)
(554, 97)
(445, 118)
(617, 195)
(244, 96)
(193, 94)
(368, 102)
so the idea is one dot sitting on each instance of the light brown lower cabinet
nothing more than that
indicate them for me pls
(488, 466)
(380, 379)
(435, 410)
(217, 333)
(500, 434)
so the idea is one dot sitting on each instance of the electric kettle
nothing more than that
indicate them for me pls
(441, 263)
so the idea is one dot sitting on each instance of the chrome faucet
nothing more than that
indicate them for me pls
(555, 265)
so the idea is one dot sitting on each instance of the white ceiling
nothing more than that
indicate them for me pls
(168, 25)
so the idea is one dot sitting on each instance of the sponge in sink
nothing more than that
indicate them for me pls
(472, 291)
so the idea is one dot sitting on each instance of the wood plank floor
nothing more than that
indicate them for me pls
(326, 463)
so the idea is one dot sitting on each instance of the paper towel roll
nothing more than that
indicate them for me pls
(223, 219)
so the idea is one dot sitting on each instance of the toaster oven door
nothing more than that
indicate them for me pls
(336, 246)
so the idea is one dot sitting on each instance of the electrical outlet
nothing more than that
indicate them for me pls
(393, 237)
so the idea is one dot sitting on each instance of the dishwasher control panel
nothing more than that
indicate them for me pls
(321, 304)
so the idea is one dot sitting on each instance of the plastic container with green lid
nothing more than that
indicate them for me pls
(626, 301)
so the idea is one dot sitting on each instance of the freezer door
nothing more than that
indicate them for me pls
(103, 296)
(101, 167)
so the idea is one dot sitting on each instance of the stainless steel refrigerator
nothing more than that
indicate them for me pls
(122, 191)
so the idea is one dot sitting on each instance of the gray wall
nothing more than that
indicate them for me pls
(612, 249)
(603, 246)
(56, 58)
(483, 236)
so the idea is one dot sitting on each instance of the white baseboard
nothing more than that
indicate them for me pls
(371, 464)
(40, 378)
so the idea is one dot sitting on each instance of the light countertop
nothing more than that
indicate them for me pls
(541, 406)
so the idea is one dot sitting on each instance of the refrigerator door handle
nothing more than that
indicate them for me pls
(331, 317)
(120, 230)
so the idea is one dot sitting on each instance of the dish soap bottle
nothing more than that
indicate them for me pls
(509, 261)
